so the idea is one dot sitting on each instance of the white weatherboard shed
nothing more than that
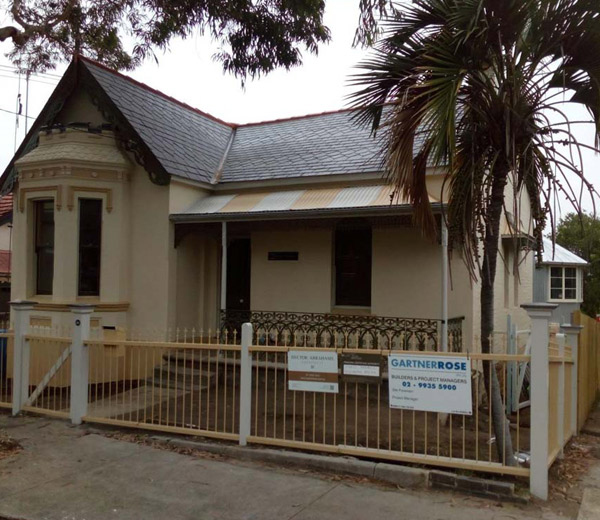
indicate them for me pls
(558, 279)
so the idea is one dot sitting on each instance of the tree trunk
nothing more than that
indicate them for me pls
(490, 255)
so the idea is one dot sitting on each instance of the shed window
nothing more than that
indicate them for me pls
(563, 283)
(44, 246)
(353, 267)
(90, 237)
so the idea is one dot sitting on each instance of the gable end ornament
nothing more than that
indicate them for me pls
(128, 140)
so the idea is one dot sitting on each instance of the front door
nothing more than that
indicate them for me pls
(238, 279)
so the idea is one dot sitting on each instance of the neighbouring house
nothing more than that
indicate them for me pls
(164, 217)
(558, 278)
(6, 213)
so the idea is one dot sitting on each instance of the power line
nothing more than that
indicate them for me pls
(24, 73)
(15, 113)
(30, 79)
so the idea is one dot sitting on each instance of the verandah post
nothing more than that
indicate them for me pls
(572, 333)
(80, 361)
(539, 313)
(245, 384)
(20, 384)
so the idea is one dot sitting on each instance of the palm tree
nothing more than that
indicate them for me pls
(476, 87)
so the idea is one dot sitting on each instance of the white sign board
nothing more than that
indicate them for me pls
(361, 370)
(313, 371)
(430, 383)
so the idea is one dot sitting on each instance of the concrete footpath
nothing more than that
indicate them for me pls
(65, 472)
(590, 505)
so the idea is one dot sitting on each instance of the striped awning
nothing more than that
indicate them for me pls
(294, 203)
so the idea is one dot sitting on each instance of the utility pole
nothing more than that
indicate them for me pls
(27, 102)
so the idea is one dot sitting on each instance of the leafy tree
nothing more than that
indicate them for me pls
(256, 36)
(476, 87)
(580, 234)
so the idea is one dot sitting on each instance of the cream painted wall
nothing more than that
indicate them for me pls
(80, 109)
(189, 273)
(5, 237)
(406, 275)
(197, 282)
(407, 278)
(152, 254)
(183, 195)
(302, 286)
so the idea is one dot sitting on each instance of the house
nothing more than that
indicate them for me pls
(163, 217)
(558, 278)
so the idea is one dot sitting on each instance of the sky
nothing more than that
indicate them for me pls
(188, 73)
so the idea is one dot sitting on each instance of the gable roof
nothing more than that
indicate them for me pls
(187, 142)
(178, 140)
(559, 255)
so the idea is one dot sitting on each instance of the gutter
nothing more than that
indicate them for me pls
(405, 209)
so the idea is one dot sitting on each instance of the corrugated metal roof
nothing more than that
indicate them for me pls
(297, 200)
(555, 254)
(355, 197)
(278, 200)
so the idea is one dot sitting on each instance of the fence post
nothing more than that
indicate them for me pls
(560, 427)
(245, 384)
(572, 333)
(539, 313)
(80, 361)
(20, 385)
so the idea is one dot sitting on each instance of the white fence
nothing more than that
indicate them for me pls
(239, 392)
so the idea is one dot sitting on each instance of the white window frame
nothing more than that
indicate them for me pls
(578, 284)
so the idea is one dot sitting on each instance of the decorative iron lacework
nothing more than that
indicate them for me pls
(339, 330)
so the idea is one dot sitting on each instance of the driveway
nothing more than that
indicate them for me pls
(66, 472)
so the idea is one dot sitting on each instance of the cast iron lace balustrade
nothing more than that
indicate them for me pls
(341, 330)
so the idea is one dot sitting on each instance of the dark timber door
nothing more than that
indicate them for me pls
(238, 279)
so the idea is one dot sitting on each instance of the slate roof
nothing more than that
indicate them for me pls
(192, 144)
(188, 143)
(559, 255)
(322, 144)
(185, 142)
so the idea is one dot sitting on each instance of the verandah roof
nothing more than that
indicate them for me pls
(295, 203)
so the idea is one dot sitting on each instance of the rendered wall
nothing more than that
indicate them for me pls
(302, 286)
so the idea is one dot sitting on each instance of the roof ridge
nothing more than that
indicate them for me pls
(157, 92)
(303, 116)
(206, 114)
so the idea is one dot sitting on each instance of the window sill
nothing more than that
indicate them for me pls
(41, 298)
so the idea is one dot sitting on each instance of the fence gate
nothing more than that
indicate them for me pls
(48, 385)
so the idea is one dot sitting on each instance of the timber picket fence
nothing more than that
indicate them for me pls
(234, 386)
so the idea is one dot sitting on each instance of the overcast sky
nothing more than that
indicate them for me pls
(188, 73)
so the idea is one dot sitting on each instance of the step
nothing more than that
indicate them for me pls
(174, 371)
(199, 357)
(175, 385)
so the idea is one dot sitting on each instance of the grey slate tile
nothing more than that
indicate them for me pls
(191, 144)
